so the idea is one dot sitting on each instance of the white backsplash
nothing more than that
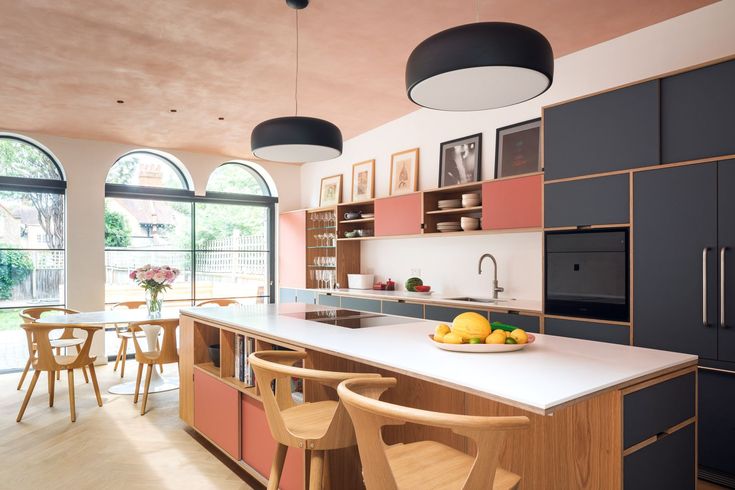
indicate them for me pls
(449, 264)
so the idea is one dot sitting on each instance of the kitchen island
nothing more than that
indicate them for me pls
(595, 408)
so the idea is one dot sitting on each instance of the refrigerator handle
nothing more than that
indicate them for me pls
(705, 250)
(723, 253)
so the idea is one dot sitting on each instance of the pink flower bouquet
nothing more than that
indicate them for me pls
(154, 280)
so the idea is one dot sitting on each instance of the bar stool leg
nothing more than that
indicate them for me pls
(277, 467)
(316, 470)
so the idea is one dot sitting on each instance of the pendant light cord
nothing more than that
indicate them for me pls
(296, 83)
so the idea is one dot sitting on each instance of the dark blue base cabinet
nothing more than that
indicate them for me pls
(717, 426)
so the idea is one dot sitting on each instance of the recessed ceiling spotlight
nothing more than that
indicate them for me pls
(120, 101)
(172, 110)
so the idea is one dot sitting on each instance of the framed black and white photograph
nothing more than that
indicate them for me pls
(517, 149)
(461, 160)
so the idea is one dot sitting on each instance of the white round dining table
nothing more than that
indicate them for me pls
(158, 383)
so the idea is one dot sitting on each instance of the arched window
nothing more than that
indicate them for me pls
(222, 242)
(32, 247)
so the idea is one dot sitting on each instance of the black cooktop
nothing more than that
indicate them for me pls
(350, 318)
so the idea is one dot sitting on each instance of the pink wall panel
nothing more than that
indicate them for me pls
(399, 215)
(512, 203)
(292, 249)
(217, 412)
(258, 447)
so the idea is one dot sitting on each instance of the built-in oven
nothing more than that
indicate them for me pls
(587, 274)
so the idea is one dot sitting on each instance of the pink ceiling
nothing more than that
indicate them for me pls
(63, 65)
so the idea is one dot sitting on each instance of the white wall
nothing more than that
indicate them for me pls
(690, 39)
(86, 163)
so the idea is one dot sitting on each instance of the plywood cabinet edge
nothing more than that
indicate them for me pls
(186, 370)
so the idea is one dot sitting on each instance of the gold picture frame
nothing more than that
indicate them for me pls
(404, 172)
(330, 191)
(363, 180)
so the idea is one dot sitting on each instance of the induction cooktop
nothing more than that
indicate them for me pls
(350, 318)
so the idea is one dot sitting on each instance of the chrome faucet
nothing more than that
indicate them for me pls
(496, 288)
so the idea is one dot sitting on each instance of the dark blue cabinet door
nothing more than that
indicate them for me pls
(526, 322)
(697, 110)
(413, 310)
(360, 304)
(287, 295)
(329, 300)
(579, 329)
(615, 130)
(716, 422)
(675, 233)
(446, 314)
(726, 254)
(667, 464)
(598, 201)
(304, 296)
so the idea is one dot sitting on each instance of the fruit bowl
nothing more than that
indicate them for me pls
(480, 348)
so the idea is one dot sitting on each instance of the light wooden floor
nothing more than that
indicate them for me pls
(112, 447)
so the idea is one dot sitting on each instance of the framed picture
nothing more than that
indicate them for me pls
(460, 160)
(404, 172)
(330, 193)
(517, 149)
(363, 180)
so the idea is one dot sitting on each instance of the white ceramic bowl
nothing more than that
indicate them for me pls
(360, 281)
(470, 226)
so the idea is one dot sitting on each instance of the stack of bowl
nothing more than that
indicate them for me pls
(449, 203)
(468, 223)
(448, 226)
(470, 200)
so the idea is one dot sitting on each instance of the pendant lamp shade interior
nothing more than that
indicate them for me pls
(479, 66)
(296, 139)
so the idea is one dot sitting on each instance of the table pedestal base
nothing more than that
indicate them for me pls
(158, 383)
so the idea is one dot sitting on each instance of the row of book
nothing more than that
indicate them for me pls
(244, 346)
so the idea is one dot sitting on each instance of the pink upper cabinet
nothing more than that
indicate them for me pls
(512, 203)
(217, 412)
(292, 249)
(399, 215)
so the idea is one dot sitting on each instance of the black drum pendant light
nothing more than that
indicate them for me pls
(296, 138)
(479, 66)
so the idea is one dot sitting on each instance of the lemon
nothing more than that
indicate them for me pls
(438, 338)
(495, 338)
(441, 330)
(452, 338)
(519, 336)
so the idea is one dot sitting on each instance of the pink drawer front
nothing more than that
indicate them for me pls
(292, 249)
(217, 412)
(512, 203)
(399, 215)
(258, 447)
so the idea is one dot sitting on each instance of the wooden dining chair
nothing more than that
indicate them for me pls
(425, 464)
(64, 341)
(317, 427)
(43, 359)
(124, 334)
(218, 302)
(164, 353)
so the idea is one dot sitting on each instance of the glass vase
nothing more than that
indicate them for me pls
(154, 302)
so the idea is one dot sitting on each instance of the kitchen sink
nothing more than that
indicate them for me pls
(477, 300)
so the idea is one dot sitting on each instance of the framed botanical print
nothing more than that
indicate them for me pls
(460, 160)
(330, 193)
(363, 181)
(404, 172)
(517, 149)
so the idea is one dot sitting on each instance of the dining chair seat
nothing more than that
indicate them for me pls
(310, 420)
(408, 464)
(62, 343)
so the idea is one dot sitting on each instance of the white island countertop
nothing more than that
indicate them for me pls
(552, 372)
(502, 304)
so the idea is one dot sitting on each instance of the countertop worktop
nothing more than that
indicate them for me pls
(525, 305)
(552, 372)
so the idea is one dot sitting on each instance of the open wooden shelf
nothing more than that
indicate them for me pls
(361, 220)
(450, 233)
(473, 209)
(208, 367)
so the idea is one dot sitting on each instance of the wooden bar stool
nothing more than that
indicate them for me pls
(218, 302)
(425, 464)
(167, 354)
(44, 359)
(65, 340)
(317, 427)
(124, 334)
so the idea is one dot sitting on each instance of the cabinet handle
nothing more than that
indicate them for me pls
(723, 252)
(704, 286)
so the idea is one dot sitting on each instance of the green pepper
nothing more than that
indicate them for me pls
(502, 326)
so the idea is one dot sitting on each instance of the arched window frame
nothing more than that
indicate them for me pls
(28, 184)
(144, 192)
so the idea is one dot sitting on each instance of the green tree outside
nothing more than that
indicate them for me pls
(117, 231)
